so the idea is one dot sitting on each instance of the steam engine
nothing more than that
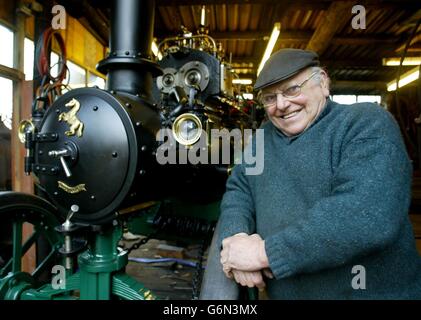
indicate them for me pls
(96, 155)
(97, 149)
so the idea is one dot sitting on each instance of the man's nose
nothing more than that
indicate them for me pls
(281, 102)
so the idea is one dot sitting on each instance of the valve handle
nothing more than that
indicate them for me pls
(62, 153)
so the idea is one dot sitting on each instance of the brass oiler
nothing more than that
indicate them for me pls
(177, 129)
(25, 126)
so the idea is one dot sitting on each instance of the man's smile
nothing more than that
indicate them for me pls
(290, 114)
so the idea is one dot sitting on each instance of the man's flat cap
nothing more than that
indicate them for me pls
(283, 64)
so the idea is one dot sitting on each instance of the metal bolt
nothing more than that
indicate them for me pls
(57, 110)
(142, 172)
(92, 197)
(127, 53)
(40, 152)
(138, 124)
(128, 105)
(55, 193)
(144, 148)
(95, 108)
(114, 154)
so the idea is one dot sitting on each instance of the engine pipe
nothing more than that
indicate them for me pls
(129, 67)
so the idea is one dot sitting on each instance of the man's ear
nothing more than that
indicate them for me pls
(323, 79)
(324, 83)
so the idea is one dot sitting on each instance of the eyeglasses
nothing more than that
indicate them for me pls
(269, 99)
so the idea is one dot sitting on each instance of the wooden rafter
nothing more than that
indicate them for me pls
(333, 22)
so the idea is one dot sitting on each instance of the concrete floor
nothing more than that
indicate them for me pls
(167, 280)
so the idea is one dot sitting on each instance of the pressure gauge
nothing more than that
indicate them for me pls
(187, 129)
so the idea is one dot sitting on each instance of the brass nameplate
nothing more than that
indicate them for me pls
(72, 190)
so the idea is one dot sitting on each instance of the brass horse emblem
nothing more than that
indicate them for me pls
(76, 126)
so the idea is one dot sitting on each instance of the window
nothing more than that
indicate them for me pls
(6, 108)
(375, 99)
(54, 64)
(6, 94)
(94, 80)
(248, 96)
(28, 59)
(349, 99)
(345, 99)
(6, 105)
(6, 52)
(76, 76)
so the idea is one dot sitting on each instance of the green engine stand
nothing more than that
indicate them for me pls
(100, 273)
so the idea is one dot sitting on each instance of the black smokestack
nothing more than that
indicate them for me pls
(128, 67)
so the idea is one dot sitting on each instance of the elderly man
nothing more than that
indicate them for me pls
(328, 217)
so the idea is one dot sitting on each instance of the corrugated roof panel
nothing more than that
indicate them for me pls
(232, 17)
(299, 22)
(221, 17)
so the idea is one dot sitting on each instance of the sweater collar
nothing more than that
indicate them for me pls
(290, 139)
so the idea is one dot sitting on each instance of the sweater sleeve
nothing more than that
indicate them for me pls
(363, 213)
(237, 207)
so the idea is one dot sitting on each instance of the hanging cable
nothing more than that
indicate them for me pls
(51, 86)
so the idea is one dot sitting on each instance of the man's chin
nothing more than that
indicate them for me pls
(291, 131)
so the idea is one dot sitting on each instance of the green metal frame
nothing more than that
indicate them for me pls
(101, 268)
(100, 271)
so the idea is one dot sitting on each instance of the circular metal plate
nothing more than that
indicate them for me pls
(103, 169)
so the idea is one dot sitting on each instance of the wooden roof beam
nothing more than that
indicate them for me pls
(362, 85)
(298, 4)
(292, 37)
(369, 64)
(333, 21)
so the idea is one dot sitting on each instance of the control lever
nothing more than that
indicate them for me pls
(73, 209)
(67, 238)
(62, 153)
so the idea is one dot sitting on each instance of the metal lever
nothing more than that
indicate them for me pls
(73, 209)
(62, 153)
(67, 238)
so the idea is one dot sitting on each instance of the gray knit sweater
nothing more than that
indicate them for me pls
(334, 197)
